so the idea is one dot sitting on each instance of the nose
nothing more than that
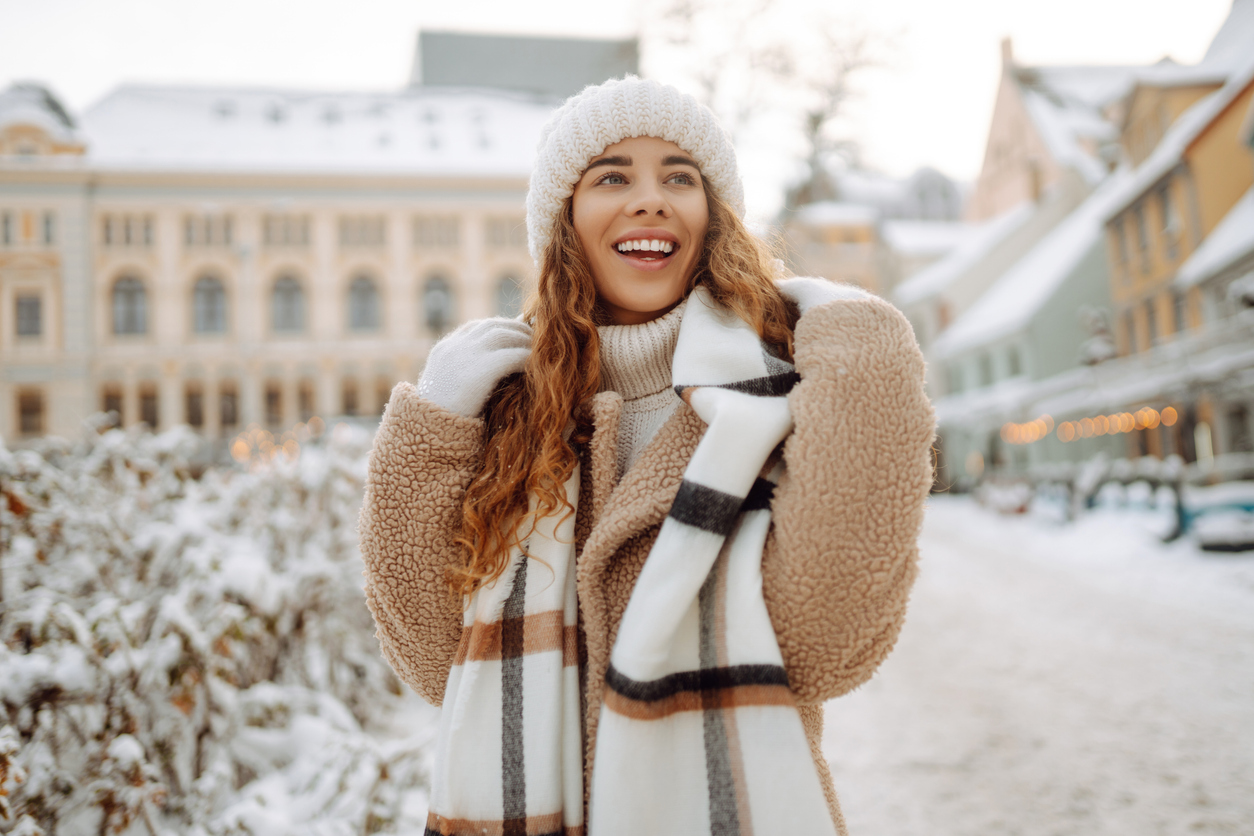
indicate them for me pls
(648, 198)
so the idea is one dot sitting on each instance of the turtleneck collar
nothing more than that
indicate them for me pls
(636, 359)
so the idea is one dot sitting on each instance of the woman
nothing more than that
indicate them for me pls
(677, 502)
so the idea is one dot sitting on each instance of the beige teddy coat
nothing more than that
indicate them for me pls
(837, 567)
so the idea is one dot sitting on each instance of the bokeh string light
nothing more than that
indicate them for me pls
(257, 446)
(1090, 427)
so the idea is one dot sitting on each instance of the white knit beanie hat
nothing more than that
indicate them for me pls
(622, 108)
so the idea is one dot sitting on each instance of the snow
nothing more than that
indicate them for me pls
(1190, 124)
(1231, 240)
(1070, 131)
(1011, 302)
(1056, 679)
(836, 213)
(984, 237)
(193, 655)
(31, 104)
(431, 131)
(925, 238)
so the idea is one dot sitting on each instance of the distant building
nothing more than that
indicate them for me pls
(552, 67)
(224, 257)
(1127, 326)
(875, 230)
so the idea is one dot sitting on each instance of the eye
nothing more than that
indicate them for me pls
(682, 179)
(612, 178)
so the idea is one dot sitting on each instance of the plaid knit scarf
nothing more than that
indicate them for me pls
(698, 731)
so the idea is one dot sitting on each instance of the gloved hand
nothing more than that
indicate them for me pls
(464, 367)
(809, 292)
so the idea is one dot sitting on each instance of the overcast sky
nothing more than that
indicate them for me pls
(929, 104)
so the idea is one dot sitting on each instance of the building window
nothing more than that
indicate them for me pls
(363, 231)
(348, 398)
(126, 230)
(274, 404)
(509, 296)
(436, 231)
(209, 306)
(1151, 320)
(285, 230)
(955, 379)
(1240, 440)
(30, 412)
(111, 402)
(437, 304)
(1129, 328)
(148, 404)
(208, 230)
(130, 306)
(287, 305)
(29, 316)
(6, 229)
(305, 399)
(1121, 243)
(363, 304)
(382, 391)
(506, 233)
(228, 405)
(1142, 237)
(1013, 361)
(986, 370)
(50, 228)
(1171, 221)
(1180, 320)
(194, 404)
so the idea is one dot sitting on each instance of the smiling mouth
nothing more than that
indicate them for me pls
(647, 250)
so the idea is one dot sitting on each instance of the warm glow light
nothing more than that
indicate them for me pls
(1169, 417)
(240, 451)
(1049, 423)
(1126, 422)
(1152, 419)
(1087, 427)
(1066, 431)
(316, 426)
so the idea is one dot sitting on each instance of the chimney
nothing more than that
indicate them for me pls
(1007, 54)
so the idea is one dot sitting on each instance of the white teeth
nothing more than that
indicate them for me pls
(651, 245)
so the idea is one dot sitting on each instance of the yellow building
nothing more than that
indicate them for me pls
(224, 257)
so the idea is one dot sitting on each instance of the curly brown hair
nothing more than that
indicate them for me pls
(526, 452)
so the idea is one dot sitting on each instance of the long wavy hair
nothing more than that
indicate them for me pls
(526, 452)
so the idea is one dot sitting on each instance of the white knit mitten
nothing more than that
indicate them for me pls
(809, 292)
(464, 367)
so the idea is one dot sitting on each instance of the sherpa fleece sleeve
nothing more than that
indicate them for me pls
(842, 553)
(423, 459)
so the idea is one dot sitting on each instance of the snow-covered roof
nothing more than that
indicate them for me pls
(442, 131)
(982, 238)
(1067, 106)
(1229, 242)
(28, 103)
(1228, 52)
(835, 213)
(1182, 132)
(926, 238)
(1019, 293)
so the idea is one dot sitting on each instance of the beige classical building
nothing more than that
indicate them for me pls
(226, 257)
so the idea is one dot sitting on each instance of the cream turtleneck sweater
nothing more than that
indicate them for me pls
(636, 363)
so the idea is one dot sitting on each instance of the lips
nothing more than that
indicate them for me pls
(646, 248)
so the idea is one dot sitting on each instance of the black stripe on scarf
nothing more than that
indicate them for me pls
(760, 496)
(705, 508)
(711, 679)
(771, 386)
(514, 778)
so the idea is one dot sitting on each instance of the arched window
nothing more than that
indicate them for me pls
(509, 296)
(437, 304)
(287, 306)
(209, 306)
(130, 306)
(363, 304)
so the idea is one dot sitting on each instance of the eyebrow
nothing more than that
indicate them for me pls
(673, 159)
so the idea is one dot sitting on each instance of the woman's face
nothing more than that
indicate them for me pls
(641, 215)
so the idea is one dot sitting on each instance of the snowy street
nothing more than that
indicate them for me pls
(1057, 679)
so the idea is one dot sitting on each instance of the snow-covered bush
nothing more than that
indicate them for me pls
(186, 652)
